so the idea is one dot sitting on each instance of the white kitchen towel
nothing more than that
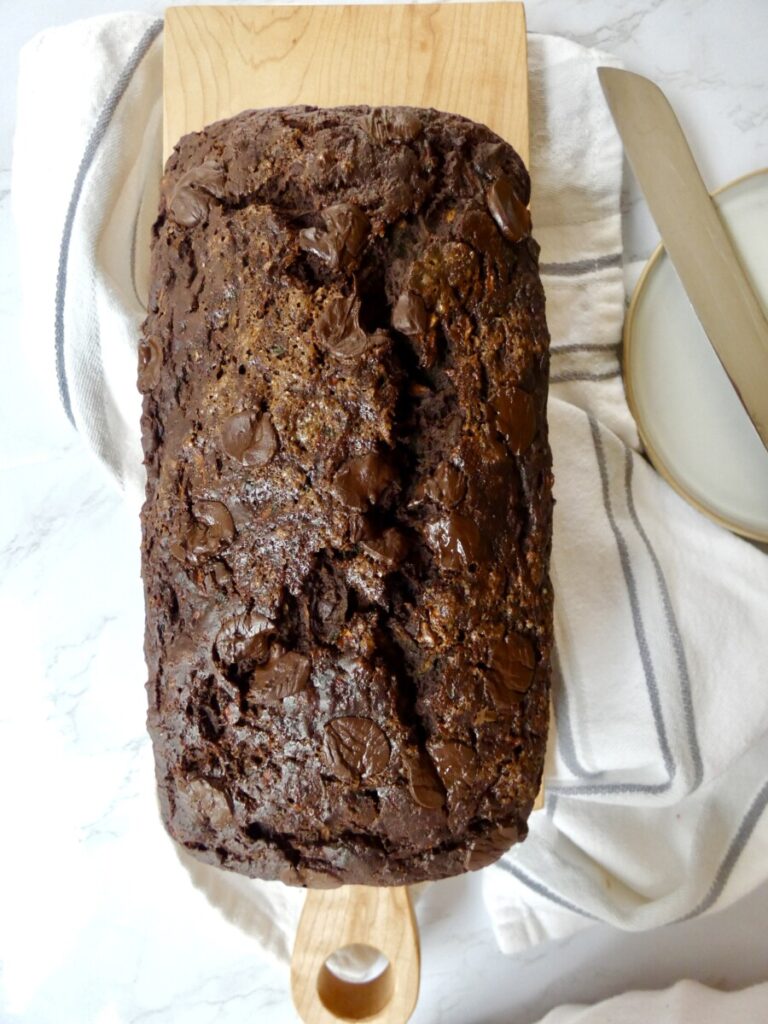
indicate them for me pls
(655, 780)
(687, 1002)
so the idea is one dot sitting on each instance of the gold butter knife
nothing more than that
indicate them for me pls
(693, 235)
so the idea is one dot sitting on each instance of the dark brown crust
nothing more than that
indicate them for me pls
(348, 518)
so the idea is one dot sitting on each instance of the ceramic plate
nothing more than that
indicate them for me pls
(694, 427)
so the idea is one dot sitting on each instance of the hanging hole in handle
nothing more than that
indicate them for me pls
(356, 982)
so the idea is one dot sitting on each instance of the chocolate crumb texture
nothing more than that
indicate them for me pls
(348, 511)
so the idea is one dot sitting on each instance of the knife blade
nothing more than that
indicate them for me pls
(693, 235)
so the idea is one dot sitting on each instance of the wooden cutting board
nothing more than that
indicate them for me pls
(466, 58)
(469, 59)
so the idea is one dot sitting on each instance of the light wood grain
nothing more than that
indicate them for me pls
(468, 59)
(333, 919)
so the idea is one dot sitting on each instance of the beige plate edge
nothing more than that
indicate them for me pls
(653, 455)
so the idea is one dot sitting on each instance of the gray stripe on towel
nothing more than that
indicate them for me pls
(674, 630)
(134, 233)
(634, 601)
(734, 851)
(723, 873)
(563, 378)
(96, 136)
(542, 890)
(607, 346)
(566, 744)
(755, 810)
(576, 268)
(596, 788)
(565, 739)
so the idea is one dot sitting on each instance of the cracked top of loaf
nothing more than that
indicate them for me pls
(348, 510)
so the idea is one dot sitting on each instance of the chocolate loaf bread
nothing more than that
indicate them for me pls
(348, 510)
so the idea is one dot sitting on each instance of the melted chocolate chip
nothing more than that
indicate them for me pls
(456, 763)
(212, 529)
(285, 674)
(216, 517)
(288, 873)
(488, 848)
(190, 199)
(205, 800)
(488, 158)
(237, 434)
(362, 482)
(243, 641)
(511, 668)
(515, 418)
(356, 748)
(221, 573)
(314, 879)
(328, 606)
(150, 363)
(338, 330)
(349, 225)
(390, 547)
(457, 541)
(249, 438)
(424, 784)
(410, 314)
(342, 239)
(477, 228)
(447, 486)
(321, 244)
(394, 124)
(511, 215)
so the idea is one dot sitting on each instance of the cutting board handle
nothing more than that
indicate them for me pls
(356, 915)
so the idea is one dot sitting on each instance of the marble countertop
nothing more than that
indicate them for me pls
(85, 930)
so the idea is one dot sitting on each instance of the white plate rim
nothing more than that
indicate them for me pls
(652, 453)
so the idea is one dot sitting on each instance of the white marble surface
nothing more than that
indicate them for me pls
(87, 876)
